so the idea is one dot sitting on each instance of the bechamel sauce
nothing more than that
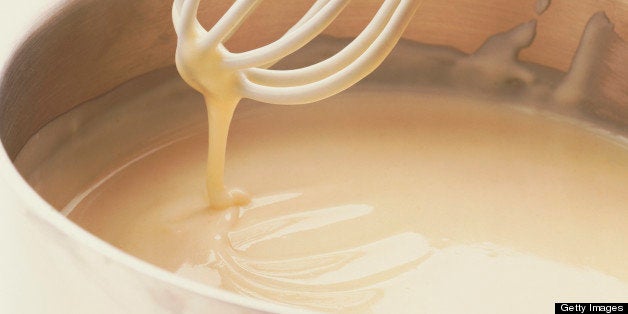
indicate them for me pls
(388, 197)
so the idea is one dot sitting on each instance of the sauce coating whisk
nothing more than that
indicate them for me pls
(224, 77)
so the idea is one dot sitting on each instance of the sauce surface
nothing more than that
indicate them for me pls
(412, 190)
(380, 198)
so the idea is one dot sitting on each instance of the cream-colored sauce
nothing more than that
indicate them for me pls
(223, 77)
(201, 70)
(379, 199)
(409, 191)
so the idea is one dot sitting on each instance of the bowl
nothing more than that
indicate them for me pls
(57, 55)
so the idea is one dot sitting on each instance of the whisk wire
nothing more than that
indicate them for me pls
(342, 78)
(307, 84)
(331, 65)
(289, 43)
(229, 22)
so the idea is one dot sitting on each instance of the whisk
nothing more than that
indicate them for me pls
(224, 77)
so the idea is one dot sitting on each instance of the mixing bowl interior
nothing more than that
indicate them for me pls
(86, 48)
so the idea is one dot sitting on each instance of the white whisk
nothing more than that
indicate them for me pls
(224, 77)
